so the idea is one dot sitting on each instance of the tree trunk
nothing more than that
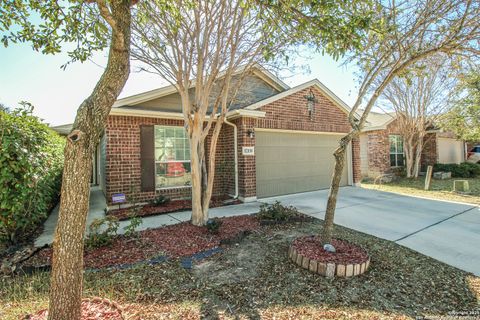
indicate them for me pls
(67, 264)
(198, 218)
(339, 155)
(408, 148)
(418, 157)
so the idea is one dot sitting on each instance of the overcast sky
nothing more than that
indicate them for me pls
(26, 75)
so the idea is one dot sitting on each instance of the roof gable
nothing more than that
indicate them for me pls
(315, 82)
(146, 99)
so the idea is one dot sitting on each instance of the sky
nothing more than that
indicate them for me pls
(26, 75)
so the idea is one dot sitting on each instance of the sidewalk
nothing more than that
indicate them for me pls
(98, 204)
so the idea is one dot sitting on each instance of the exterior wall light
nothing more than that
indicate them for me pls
(310, 97)
(251, 133)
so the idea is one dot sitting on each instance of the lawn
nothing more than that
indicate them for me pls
(439, 189)
(254, 279)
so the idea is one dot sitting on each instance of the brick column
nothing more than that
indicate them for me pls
(357, 174)
(246, 164)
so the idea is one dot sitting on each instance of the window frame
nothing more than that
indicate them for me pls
(156, 161)
(398, 138)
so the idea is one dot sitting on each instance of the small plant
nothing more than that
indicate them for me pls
(277, 212)
(160, 201)
(135, 221)
(213, 225)
(102, 232)
(462, 170)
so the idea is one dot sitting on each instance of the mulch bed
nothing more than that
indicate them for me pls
(346, 252)
(96, 308)
(179, 240)
(172, 206)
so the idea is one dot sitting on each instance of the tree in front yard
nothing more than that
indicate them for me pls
(90, 25)
(419, 97)
(207, 50)
(464, 118)
(407, 33)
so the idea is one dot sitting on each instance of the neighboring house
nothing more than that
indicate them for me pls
(381, 146)
(285, 136)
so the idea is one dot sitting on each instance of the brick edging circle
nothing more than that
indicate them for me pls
(328, 269)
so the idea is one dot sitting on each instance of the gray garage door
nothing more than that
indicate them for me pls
(294, 162)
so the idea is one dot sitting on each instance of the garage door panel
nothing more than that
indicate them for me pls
(450, 151)
(294, 162)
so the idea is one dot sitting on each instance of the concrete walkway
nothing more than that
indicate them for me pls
(446, 231)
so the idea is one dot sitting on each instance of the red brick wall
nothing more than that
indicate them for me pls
(291, 113)
(357, 174)
(122, 163)
(378, 150)
(429, 152)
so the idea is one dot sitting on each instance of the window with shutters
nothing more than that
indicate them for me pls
(396, 151)
(172, 157)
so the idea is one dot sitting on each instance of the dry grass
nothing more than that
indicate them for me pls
(440, 189)
(255, 280)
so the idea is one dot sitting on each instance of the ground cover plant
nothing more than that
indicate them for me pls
(256, 280)
(439, 189)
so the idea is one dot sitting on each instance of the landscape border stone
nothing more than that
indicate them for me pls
(328, 269)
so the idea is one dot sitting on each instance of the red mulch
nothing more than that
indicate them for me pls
(346, 252)
(179, 240)
(172, 206)
(92, 309)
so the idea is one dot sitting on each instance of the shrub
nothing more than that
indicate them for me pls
(160, 201)
(102, 232)
(277, 212)
(463, 170)
(213, 225)
(135, 221)
(31, 162)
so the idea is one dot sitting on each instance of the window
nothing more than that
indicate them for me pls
(172, 157)
(396, 151)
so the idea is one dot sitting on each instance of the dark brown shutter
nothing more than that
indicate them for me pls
(147, 157)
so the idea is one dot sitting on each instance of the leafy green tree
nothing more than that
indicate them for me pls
(89, 25)
(464, 118)
(31, 161)
(405, 33)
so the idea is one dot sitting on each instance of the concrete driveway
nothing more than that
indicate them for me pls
(446, 231)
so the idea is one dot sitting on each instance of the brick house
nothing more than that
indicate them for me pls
(285, 139)
(381, 146)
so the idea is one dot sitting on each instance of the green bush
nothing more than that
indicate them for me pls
(135, 221)
(31, 163)
(160, 201)
(277, 212)
(102, 232)
(462, 170)
(213, 225)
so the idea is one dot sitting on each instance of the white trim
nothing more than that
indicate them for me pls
(177, 115)
(248, 199)
(234, 114)
(172, 188)
(301, 131)
(350, 164)
(258, 70)
(315, 82)
(146, 113)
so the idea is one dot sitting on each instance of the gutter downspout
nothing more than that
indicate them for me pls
(235, 143)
